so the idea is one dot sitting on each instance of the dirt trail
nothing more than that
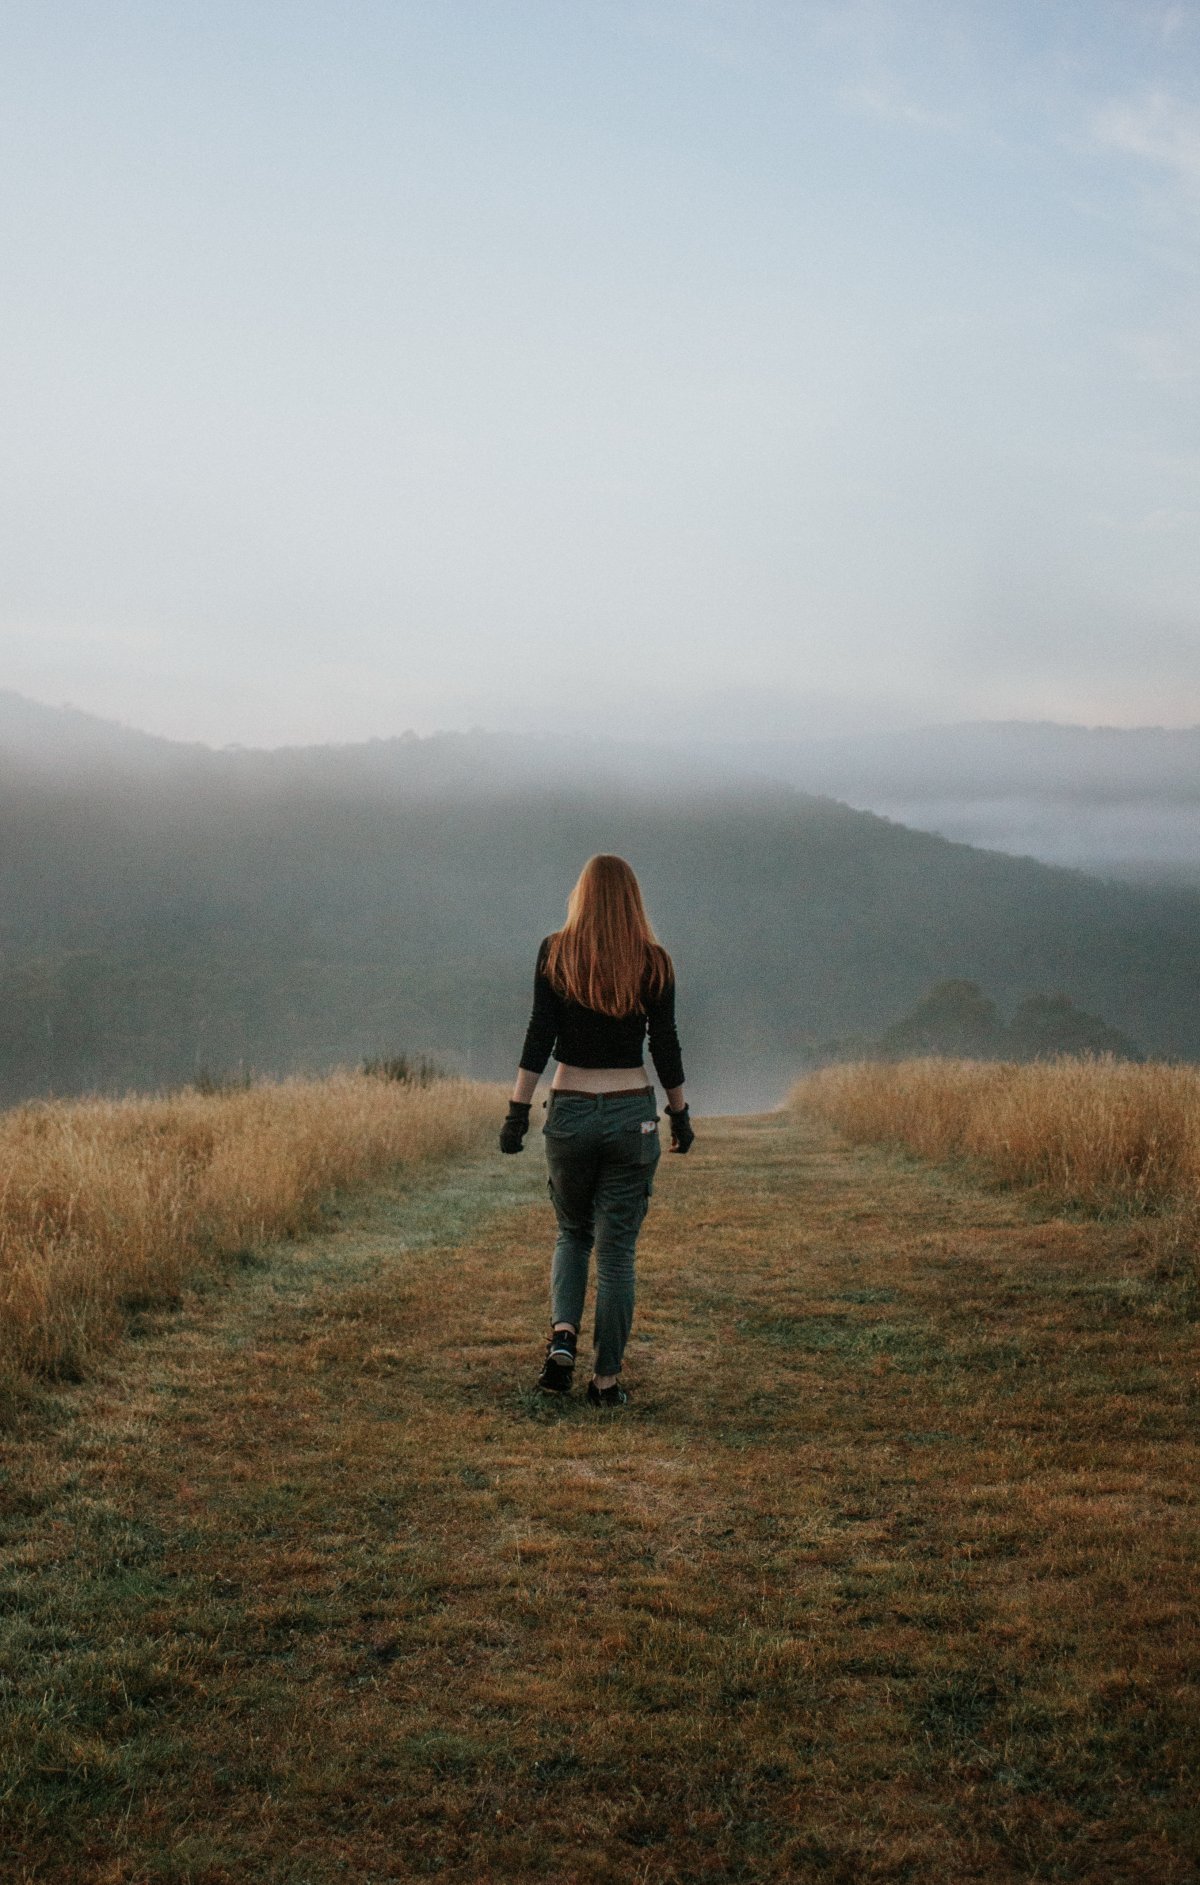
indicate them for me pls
(887, 1572)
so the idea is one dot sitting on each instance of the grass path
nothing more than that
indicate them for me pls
(887, 1573)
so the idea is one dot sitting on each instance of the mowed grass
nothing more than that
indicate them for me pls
(888, 1572)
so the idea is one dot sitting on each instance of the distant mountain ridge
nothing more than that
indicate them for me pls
(35, 736)
(1117, 801)
(993, 759)
(39, 741)
(295, 909)
(971, 761)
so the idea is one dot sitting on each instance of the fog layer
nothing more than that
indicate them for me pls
(171, 911)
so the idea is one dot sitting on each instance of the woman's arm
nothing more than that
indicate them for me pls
(525, 1086)
(541, 1033)
(664, 1045)
(540, 1037)
(668, 1064)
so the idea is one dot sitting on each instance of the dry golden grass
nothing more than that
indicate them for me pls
(107, 1205)
(1098, 1132)
(885, 1576)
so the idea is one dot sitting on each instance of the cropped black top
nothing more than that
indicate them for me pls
(582, 1037)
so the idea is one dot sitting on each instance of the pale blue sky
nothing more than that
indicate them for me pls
(651, 368)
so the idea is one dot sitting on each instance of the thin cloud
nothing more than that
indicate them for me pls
(888, 103)
(1164, 358)
(1171, 23)
(1168, 523)
(1158, 129)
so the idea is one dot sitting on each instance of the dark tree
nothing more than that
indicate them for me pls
(1052, 1024)
(955, 1017)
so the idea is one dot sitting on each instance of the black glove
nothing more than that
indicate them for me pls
(516, 1125)
(682, 1135)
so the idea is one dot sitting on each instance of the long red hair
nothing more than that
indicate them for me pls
(606, 956)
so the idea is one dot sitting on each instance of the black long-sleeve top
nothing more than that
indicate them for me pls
(583, 1037)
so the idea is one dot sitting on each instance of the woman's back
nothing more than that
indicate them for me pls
(583, 1036)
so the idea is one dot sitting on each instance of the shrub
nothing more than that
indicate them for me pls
(405, 1070)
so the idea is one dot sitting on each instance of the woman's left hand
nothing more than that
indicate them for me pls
(682, 1135)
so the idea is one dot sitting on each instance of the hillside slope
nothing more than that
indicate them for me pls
(146, 932)
(165, 908)
(1119, 801)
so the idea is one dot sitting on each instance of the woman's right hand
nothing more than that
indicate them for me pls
(516, 1125)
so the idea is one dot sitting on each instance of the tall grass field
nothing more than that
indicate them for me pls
(1097, 1132)
(108, 1205)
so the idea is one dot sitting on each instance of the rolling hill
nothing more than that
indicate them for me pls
(166, 910)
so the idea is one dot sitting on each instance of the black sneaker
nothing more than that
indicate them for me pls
(558, 1369)
(615, 1396)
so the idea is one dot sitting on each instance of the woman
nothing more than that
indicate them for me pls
(602, 982)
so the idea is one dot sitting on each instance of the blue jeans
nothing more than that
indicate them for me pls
(602, 1154)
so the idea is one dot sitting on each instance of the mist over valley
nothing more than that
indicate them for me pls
(170, 910)
(1117, 801)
